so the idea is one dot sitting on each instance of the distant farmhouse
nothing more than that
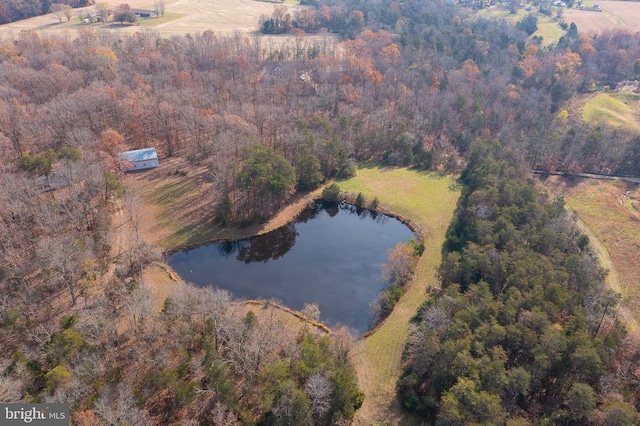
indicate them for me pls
(138, 159)
(144, 13)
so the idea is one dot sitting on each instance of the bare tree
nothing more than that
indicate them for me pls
(102, 10)
(120, 408)
(249, 344)
(68, 13)
(61, 257)
(402, 261)
(342, 344)
(139, 305)
(311, 311)
(58, 10)
(215, 307)
(319, 389)
(11, 388)
(220, 415)
(156, 7)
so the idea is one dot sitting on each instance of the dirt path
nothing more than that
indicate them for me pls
(630, 179)
(613, 280)
(598, 203)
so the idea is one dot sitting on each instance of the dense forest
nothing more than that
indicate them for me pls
(414, 84)
(523, 327)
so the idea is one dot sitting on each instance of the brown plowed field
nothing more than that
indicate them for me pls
(616, 14)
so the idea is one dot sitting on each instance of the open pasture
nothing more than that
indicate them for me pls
(181, 17)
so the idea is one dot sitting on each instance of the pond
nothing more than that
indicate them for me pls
(331, 256)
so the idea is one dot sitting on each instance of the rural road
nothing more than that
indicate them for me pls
(631, 179)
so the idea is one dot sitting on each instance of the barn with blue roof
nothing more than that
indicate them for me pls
(138, 159)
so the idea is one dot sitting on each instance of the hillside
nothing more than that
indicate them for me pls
(618, 110)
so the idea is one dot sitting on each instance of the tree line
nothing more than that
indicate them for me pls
(523, 327)
(15, 10)
(419, 97)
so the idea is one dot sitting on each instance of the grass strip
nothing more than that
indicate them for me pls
(427, 202)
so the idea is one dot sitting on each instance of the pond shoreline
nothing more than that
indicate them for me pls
(289, 214)
(334, 252)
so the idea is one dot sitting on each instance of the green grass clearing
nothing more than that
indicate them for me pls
(548, 27)
(619, 110)
(427, 201)
(549, 30)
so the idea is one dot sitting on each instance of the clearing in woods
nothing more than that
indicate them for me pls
(610, 211)
(620, 110)
(176, 211)
(623, 15)
(427, 202)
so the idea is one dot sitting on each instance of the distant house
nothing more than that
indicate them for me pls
(145, 13)
(138, 159)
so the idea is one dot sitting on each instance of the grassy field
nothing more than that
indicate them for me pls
(161, 20)
(620, 110)
(178, 208)
(548, 27)
(549, 30)
(427, 201)
(613, 219)
(181, 17)
(615, 14)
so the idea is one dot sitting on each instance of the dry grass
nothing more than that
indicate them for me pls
(181, 17)
(616, 14)
(613, 222)
(178, 210)
(163, 283)
(427, 201)
(619, 110)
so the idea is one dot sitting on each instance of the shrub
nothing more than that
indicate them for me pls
(224, 210)
(374, 204)
(528, 24)
(331, 193)
(56, 377)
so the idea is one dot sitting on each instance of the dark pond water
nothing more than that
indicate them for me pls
(331, 256)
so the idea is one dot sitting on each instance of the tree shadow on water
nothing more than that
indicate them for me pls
(270, 246)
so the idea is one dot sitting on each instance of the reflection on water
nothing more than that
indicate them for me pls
(331, 255)
(274, 246)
